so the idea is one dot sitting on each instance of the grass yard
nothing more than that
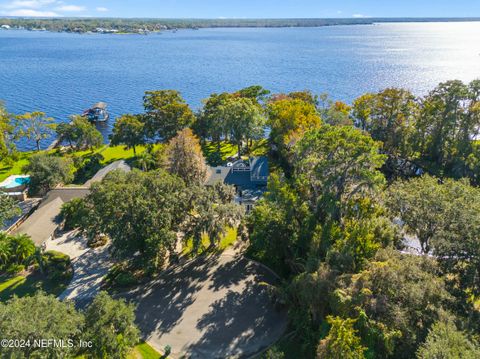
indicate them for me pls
(22, 286)
(259, 148)
(215, 157)
(144, 351)
(7, 169)
(110, 154)
(225, 242)
(140, 351)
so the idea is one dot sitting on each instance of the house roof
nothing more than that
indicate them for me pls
(239, 178)
(66, 194)
(216, 174)
(42, 223)
(259, 166)
(122, 165)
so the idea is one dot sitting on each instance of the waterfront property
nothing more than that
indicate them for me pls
(249, 177)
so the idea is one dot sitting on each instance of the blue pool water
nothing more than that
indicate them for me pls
(15, 182)
(63, 74)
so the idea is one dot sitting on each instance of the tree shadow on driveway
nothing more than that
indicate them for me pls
(211, 307)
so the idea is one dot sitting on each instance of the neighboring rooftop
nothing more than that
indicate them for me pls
(217, 174)
(41, 225)
(100, 175)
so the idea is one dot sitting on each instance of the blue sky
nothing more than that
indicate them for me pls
(241, 8)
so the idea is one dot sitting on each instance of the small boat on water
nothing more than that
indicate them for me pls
(97, 113)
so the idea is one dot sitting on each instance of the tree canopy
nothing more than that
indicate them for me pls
(166, 113)
(35, 126)
(128, 130)
(8, 209)
(39, 317)
(47, 171)
(79, 133)
(185, 158)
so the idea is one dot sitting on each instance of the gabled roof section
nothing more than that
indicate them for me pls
(259, 167)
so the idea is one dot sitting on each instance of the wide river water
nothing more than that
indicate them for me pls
(62, 74)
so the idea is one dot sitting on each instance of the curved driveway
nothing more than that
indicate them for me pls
(90, 266)
(211, 307)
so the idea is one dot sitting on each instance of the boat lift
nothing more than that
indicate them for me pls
(97, 113)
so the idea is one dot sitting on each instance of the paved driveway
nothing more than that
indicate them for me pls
(89, 266)
(211, 307)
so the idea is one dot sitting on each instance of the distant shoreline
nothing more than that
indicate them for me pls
(145, 26)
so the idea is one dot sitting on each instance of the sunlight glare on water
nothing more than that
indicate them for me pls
(63, 74)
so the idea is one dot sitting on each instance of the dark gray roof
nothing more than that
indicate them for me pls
(216, 174)
(255, 174)
(239, 178)
(259, 166)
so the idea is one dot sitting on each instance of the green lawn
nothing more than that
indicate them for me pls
(225, 242)
(141, 351)
(22, 286)
(110, 154)
(214, 156)
(15, 168)
(217, 157)
(144, 351)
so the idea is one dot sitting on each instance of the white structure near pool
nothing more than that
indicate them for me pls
(15, 186)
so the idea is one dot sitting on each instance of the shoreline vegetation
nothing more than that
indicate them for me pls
(145, 26)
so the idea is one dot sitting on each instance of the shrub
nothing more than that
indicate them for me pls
(15, 269)
(57, 265)
(86, 167)
(120, 276)
(73, 214)
(97, 241)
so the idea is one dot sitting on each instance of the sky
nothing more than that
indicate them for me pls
(241, 8)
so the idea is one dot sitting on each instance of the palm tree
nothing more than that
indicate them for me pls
(23, 248)
(146, 161)
(39, 259)
(5, 248)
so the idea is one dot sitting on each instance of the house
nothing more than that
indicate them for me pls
(43, 222)
(249, 177)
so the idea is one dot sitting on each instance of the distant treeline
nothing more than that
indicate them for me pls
(81, 25)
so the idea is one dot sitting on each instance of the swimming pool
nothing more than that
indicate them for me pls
(15, 181)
